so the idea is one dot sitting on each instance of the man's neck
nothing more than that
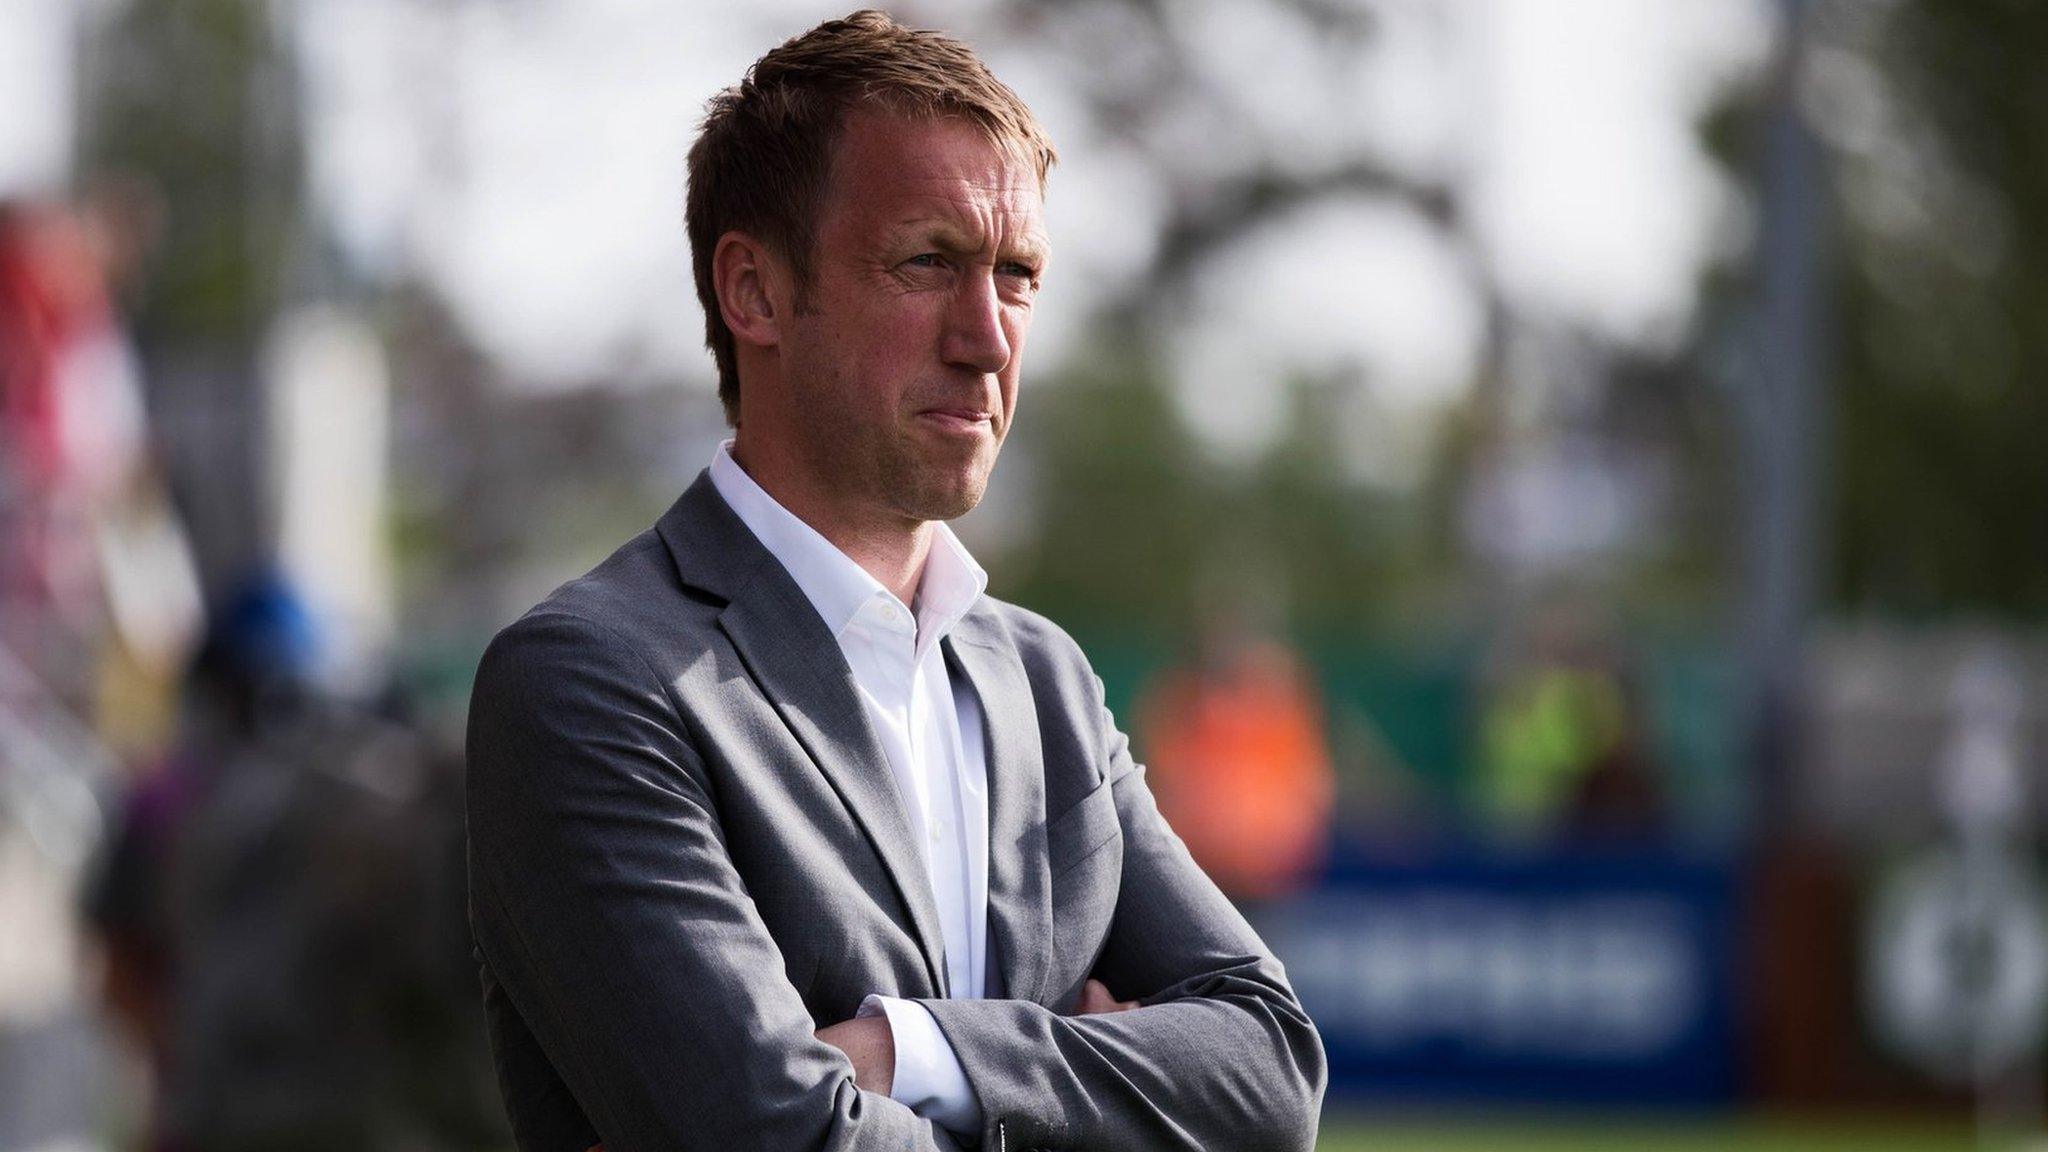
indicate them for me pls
(890, 548)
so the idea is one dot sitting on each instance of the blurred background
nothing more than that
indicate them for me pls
(1552, 489)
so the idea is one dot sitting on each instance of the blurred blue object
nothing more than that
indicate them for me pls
(268, 632)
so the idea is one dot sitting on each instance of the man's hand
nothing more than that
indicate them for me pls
(1095, 999)
(871, 1046)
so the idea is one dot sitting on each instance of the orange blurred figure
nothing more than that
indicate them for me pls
(1239, 761)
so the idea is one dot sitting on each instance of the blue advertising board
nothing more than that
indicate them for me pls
(1575, 978)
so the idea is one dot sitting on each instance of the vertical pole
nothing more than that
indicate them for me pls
(1783, 431)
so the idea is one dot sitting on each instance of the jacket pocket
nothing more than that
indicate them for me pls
(1084, 845)
(1082, 830)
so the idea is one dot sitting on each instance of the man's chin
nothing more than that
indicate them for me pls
(946, 484)
(947, 498)
(947, 508)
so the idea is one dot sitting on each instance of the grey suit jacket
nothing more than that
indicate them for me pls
(686, 853)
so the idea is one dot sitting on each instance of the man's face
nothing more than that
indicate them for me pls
(902, 367)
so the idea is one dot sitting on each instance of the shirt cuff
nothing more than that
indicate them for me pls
(928, 1075)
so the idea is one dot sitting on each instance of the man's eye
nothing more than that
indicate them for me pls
(925, 260)
(1024, 272)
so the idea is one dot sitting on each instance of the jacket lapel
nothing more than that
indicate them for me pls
(1019, 876)
(799, 667)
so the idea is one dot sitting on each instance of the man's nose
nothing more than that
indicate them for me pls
(974, 336)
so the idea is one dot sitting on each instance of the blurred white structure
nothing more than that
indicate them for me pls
(329, 448)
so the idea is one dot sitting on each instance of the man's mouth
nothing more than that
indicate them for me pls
(971, 420)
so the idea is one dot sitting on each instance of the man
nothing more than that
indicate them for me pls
(784, 836)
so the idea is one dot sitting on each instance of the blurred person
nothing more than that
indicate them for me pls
(70, 404)
(280, 912)
(1562, 753)
(1240, 763)
(783, 835)
(98, 590)
(71, 413)
(245, 669)
(98, 597)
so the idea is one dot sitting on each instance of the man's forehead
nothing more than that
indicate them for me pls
(880, 126)
(935, 169)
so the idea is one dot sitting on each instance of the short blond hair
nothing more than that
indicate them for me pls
(764, 153)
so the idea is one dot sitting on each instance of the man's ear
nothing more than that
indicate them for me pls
(751, 286)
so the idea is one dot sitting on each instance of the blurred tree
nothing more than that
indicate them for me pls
(1155, 87)
(1120, 495)
(193, 97)
(192, 104)
(1945, 310)
(1144, 531)
(1161, 84)
(1142, 522)
(1930, 113)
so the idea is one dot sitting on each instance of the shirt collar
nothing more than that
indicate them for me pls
(836, 586)
(951, 583)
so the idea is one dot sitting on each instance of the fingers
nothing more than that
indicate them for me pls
(1096, 998)
(1093, 999)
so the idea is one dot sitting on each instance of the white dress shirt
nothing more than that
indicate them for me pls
(931, 731)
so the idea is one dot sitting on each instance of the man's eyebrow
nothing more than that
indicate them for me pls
(1032, 249)
(950, 237)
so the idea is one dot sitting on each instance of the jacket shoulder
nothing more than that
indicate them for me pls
(634, 593)
(635, 571)
(1047, 650)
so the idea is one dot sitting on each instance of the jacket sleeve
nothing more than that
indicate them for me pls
(1218, 1057)
(606, 907)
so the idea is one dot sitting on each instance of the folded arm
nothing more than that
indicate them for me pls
(608, 910)
(911, 1060)
(1217, 1056)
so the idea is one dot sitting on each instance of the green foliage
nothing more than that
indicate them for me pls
(1124, 504)
(1941, 308)
(1141, 531)
(193, 97)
